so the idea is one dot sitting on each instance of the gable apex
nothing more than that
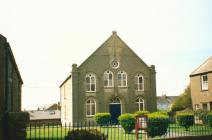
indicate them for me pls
(115, 46)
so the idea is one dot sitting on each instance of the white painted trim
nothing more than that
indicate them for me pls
(204, 84)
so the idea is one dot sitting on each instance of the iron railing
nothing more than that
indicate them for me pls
(112, 131)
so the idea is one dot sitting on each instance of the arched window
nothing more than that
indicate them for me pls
(90, 82)
(108, 79)
(139, 104)
(139, 82)
(90, 107)
(122, 79)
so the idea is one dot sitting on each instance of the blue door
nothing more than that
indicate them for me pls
(115, 111)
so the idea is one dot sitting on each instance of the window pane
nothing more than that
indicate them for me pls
(93, 87)
(92, 80)
(124, 76)
(124, 83)
(110, 76)
(140, 86)
(110, 83)
(205, 78)
(88, 87)
(87, 79)
(141, 106)
(93, 109)
(88, 109)
(119, 77)
(140, 80)
(105, 82)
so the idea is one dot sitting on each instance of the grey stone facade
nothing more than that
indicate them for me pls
(116, 57)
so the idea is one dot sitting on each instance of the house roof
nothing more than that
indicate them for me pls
(44, 114)
(11, 56)
(203, 68)
(115, 41)
(166, 99)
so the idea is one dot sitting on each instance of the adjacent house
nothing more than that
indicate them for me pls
(201, 86)
(44, 116)
(10, 81)
(113, 79)
(48, 114)
(165, 102)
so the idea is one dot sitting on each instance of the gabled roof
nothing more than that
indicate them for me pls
(165, 99)
(203, 68)
(113, 41)
(11, 56)
(44, 114)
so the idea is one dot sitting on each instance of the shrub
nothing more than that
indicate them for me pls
(141, 113)
(102, 118)
(209, 119)
(127, 121)
(85, 135)
(157, 124)
(185, 120)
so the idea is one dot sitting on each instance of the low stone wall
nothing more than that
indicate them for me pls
(209, 137)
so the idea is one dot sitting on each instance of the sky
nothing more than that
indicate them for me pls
(48, 36)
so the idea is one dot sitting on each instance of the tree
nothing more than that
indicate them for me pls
(183, 101)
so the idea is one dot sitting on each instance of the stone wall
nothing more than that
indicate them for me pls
(10, 84)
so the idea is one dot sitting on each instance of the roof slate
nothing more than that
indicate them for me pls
(204, 67)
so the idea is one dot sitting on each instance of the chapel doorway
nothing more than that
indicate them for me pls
(115, 109)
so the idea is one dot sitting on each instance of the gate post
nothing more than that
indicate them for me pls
(141, 124)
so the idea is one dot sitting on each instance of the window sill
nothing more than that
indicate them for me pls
(108, 87)
(89, 116)
(139, 90)
(203, 90)
(90, 91)
(122, 86)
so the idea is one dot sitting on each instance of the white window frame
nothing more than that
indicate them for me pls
(137, 82)
(89, 106)
(121, 81)
(204, 84)
(139, 102)
(197, 106)
(90, 76)
(110, 82)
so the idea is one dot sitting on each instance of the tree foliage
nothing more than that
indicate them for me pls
(183, 101)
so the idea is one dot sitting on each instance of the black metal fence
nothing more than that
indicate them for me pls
(56, 131)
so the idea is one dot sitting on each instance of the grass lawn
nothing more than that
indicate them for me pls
(113, 132)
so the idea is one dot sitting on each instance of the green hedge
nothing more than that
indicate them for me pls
(127, 121)
(141, 113)
(185, 120)
(157, 124)
(91, 134)
(102, 118)
(209, 119)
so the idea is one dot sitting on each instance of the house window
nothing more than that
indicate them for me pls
(90, 83)
(139, 82)
(122, 79)
(197, 107)
(204, 81)
(90, 107)
(139, 104)
(108, 79)
(205, 106)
